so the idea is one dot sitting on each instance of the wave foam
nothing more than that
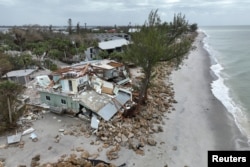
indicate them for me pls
(222, 93)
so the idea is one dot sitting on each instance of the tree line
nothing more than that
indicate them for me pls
(45, 42)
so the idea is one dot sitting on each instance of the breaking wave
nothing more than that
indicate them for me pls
(222, 92)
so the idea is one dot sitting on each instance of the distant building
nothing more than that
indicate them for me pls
(132, 30)
(110, 36)
(109, 46)
(95, 29)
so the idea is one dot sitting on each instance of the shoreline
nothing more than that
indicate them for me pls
(220, 89)
(203, 123)
(240, 138)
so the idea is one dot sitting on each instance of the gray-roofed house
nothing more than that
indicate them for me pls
(109, 42)
(20, 76)
(113, 45)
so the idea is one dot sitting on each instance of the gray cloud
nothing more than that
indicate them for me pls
(121, 12)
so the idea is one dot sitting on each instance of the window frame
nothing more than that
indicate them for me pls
(63, 101)
(47, 98)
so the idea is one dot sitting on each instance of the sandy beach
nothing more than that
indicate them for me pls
(189, 128)
(188, 132)
(198, 124)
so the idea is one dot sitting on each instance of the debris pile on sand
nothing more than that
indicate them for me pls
(132, 133)
(136, 132)
(72, 161)
(2, 162)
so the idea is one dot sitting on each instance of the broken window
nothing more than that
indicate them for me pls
(70, 85)
(81, 87)
(63, 101)
(47, 97)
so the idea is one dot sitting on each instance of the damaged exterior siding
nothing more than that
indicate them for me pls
(59, 102)
(83, 91)
(71, 85)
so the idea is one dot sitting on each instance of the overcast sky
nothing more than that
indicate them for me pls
(121, 12)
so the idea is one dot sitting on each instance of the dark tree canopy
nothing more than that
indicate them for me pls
(8, 96)
(193, 27)
(5, 64)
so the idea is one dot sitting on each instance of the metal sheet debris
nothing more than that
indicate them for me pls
(122, 97)
(108, 111)
(28, 131)
(94, 122)
(123, 82)
(14, 138)
(33, 136)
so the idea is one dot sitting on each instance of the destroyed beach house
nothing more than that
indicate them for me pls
(95, 89)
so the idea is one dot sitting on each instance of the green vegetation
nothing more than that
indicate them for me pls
(116, 56)
(42, 41)
(8, 63)
(5, 64)
(8, 99)
(193, 27)
(103, 54)
(50, 65)
(157, 41)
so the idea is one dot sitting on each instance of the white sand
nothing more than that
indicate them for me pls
(187, 135)
(189, 127)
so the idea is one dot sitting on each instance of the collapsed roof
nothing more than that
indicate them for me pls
(100, 96)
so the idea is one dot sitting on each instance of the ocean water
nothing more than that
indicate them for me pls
(229, 49)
